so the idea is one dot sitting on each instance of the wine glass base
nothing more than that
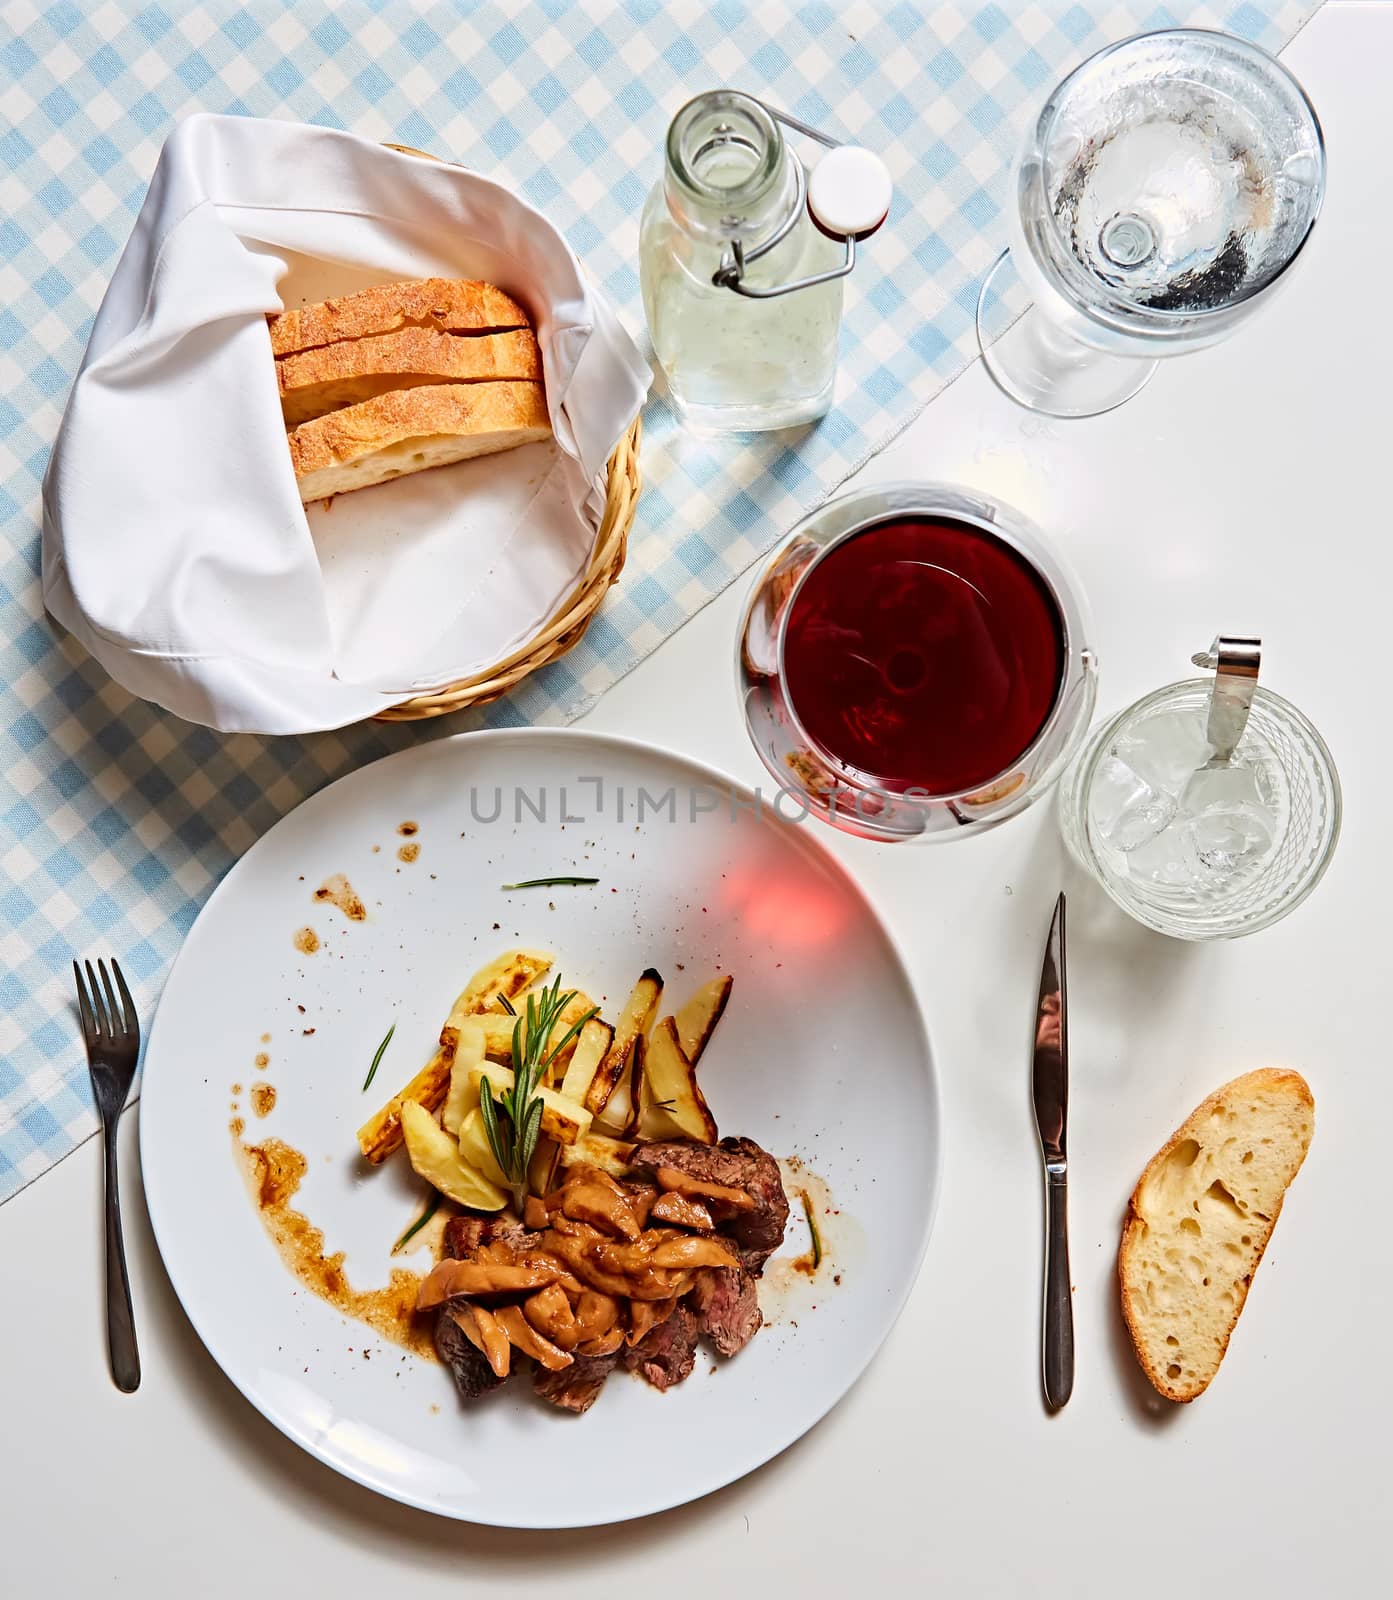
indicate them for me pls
(1041, 367)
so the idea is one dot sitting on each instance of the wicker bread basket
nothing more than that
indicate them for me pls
(565, 627)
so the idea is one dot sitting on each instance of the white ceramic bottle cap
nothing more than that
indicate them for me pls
(849, 191)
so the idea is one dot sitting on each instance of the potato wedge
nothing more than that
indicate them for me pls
(509, 975)
(498, 1035)
(435, 1156)
(499, 1026)
(562, 1119)
(622, 1114)
(381, 1134)
(672, 1080)
(591, 1048)
(571, 1013)
(546, 1158)
(697, 1020)
(638, 1086)
(599, 1150)
(654, 1122)
(474, 1147)
(462, 1096)
(638, 1013)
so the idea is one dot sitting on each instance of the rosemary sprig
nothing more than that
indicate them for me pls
(547, 883)
(431, 1207)
(513, 1119)
(381, 1051)
(813, 1230)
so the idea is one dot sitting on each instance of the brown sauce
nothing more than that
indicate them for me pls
(407, 829)
(263, 1098)
(792, 1285)
(339, 892)
(408, 852)
(262, 1060)
(307, 941)
(273, 1172)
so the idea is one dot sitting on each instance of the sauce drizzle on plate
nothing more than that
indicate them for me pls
(273, 1172)
(339, 892)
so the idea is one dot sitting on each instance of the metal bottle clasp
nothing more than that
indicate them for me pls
(736, 257)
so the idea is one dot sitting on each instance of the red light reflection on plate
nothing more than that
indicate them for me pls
(788, 907)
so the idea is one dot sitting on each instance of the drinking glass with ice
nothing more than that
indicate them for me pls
(1190, 842)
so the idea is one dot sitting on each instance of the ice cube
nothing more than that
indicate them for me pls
(1124, 809)
(1165, 750)
(1227, 844)
(1233, 785)
(1163, 860)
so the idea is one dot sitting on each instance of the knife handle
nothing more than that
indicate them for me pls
(1058, 1341)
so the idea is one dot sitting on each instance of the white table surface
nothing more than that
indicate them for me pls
(1246, 490)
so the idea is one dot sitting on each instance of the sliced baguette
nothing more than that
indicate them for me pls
(449, 305)
(333, 376)
(1199, 1221)
(410, 430)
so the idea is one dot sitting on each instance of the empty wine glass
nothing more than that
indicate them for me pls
(1161, 194)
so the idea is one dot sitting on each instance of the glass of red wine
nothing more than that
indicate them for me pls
(914, 664)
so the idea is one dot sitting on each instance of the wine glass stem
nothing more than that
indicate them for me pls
(1058, 349)
(1044, 366)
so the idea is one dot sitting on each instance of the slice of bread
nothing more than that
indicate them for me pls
(410, 430)
(449, 305)
(353, 370)
(1199, 1221)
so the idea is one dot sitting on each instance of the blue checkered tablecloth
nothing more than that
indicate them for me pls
(117, 819)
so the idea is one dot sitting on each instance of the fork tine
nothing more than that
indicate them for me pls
(95, 995)
(84, 1007)
(114, 1021)
(132, 1021)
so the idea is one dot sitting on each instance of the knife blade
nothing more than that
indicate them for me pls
(1050, 1084)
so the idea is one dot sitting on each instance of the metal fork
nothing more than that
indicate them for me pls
(112, 1036)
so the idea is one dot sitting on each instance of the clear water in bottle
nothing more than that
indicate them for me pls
(735, 364)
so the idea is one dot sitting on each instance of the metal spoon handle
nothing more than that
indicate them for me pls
(1235, 664)
(120, 1317)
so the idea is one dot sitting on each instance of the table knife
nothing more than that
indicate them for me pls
(1051, 1092)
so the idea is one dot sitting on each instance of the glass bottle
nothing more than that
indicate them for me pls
(735, 364)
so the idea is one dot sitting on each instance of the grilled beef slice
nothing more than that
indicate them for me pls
(577, 1387)
(464, 1235)
(472, 1373)
(738, 1164)
(726, 1304)
(666, 1353)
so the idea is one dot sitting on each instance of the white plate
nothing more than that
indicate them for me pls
(822, 1054)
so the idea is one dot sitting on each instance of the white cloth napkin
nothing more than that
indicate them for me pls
(174, 543)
